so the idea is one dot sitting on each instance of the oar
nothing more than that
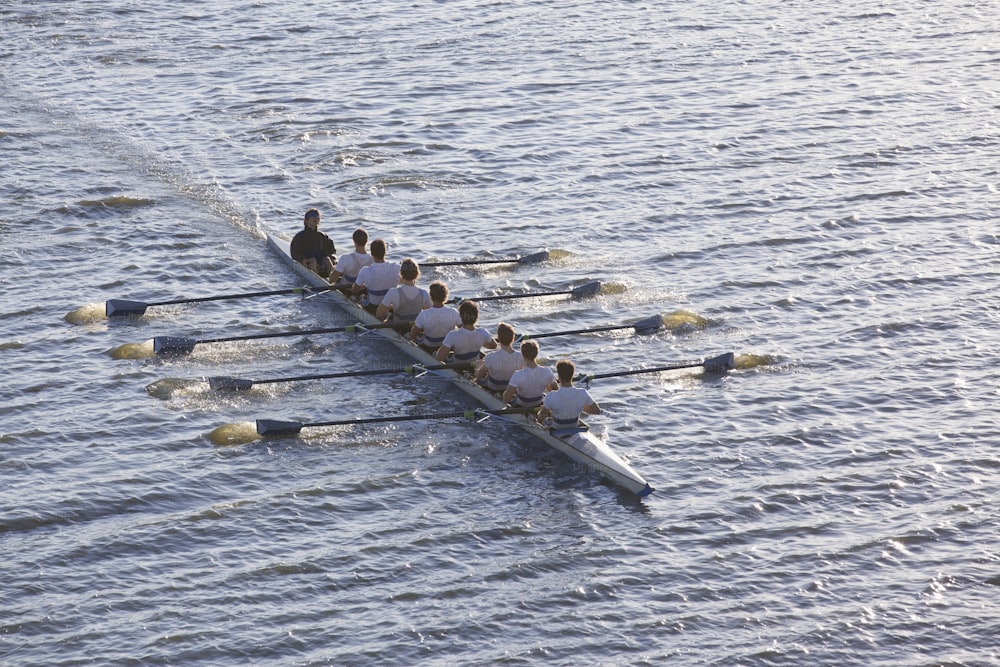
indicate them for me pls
(533, 258)
(583, 291)
(124, 307)
(719, 364)
(179, 345)
(651, 324)
(267, 427)
(223, 383)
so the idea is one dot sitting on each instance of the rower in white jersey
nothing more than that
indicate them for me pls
(351, 263)
(564, 405)
(377, 278)
(527, 386)
(404, 301)
(494, 371)
(466, 341)
(434, 323)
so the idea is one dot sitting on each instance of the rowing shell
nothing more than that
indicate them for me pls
(581, 446)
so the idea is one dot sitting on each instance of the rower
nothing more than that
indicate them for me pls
(405, 301)
(349, 264)
(494, 371)
(466, 341)
(434, 323)
(377, 278)
(565, 405)
(527, 386)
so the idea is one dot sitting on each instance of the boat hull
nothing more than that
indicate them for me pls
(581, 446)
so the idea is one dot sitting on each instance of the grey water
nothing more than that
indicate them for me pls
(812, 186)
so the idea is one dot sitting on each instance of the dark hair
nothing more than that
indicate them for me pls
(360, 236)
(311, 213)
(505, 333)
(565, 370)
(529, 349)
(409, 270)
(378, 248)
(438, 291)
(469, 312)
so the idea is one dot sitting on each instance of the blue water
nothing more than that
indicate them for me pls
(813, 188)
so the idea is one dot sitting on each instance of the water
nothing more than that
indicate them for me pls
(811, 187)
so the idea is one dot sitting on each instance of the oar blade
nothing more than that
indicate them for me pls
(124, 307)
(587, 290)
(277, 427)
(173, 345)
(650, 325)
(222, 383)
(534, 258)
(720, 364)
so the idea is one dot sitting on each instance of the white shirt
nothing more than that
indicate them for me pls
(436, 323)
(500, 365)
(379, 278)
(407, 301)
(530, 384)
(466, 343)
(566, 404)
(350, 264)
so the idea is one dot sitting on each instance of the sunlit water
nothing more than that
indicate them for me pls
(813, 187)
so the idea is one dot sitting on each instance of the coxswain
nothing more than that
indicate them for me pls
(312, 248)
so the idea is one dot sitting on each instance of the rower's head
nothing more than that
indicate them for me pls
(505, 333)
(565, 370)
(408, 269)
(360, 238)
(311, 219)
(469, 312)
(438, 291)
(379, 248)
(529, 350)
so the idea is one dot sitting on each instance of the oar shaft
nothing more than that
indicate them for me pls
(471, 262)
(585, 290)
(499, 297)
(535, 257)
(639, 371)
(303, 332)
(720, 364)
(365, 373)
(277, 334)
(579, 331)
(245, 295)
(274, 427)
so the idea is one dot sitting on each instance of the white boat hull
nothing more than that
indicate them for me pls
(583, 447)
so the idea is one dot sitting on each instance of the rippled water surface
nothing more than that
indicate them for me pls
(810, 186)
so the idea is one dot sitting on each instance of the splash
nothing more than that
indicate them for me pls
(747, 361)
(167, 387)
(88, 314)
(684, 321)
(142, 350)
(239, 433)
